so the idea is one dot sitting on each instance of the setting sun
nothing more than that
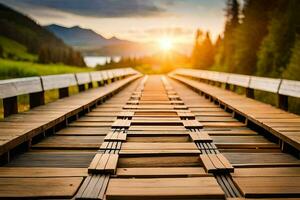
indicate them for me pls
(166, 44)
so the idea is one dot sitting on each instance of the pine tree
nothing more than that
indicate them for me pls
(206, 59)
(196, 49)
(224, 56)
(275, 51)
(293, 69)
(249, 35)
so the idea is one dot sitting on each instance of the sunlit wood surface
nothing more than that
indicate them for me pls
(155, 139)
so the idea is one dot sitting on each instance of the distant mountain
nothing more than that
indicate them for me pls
(89, 42)
(83, 38)
(35, 39)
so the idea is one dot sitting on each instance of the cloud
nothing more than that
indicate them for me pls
(178, 31)
(97, 8)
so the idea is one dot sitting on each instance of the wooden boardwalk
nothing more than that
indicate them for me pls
(154, 139)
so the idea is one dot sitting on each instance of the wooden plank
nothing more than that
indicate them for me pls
(96, 76)
(200, 137)
(121, 124)
(39, 172)
(159, 161)
(84, 131)
(207, 163)
(215, 163)
(90, 124)
(58, 158)
(126, 114)
(225, 162)
(268, 186)
(160, 188)
(154, 128)
(261, 159)
(97, 119)
(39, 187)
(267, 171)
(83, 78)
(186, 114)
(58, 81)
(216, 119)
(290, 88)
(115, 136)
(104, 164)
(153, 122)
(151, 137)
(70, 142)
(161, 172)
(93, 187)
(19, 86)
(264, 84)
(192, 124)
(230, 131)
(112, 145)
(240, 80)
(159, 146)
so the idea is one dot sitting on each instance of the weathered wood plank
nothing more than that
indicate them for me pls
(158, 188)
(39, 187)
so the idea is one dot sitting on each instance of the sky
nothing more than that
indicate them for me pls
(135, 20)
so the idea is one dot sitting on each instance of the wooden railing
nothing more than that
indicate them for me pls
(35, 87)
(282, 87)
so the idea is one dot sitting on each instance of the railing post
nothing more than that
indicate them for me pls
(36, 99)
(10, 106)
(283, 102)
(250, 93)
(227, 86)
(90, 85)
(99, 83)
(81, 87)
(63, 92)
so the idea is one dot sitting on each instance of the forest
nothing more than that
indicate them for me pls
(260, 38)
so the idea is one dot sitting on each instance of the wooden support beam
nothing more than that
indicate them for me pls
(81, 88)
(283, 102)
(250, 93)
(63, 92)
(36, 99)
(10, 106)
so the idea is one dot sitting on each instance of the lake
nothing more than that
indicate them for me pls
(92, 61)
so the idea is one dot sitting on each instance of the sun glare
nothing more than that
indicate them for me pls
(166, 44)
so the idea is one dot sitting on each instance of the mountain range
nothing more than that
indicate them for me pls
(83, 38)
(91, 43)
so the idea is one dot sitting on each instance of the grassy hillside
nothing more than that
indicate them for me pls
(36, 39)
(17, 69)
(16, 51)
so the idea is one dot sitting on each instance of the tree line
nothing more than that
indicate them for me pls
(260, 38)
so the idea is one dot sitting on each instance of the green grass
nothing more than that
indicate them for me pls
(18, 69)
(16, 51)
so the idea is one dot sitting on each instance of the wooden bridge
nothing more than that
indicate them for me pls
(128, 136)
